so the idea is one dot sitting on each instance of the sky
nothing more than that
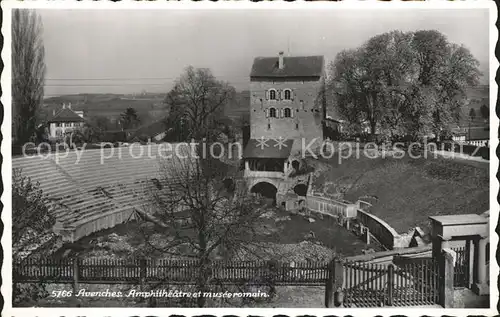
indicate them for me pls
(148, 49)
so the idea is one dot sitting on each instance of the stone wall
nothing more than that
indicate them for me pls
(382, 231)
(306, 108)
(331, 207)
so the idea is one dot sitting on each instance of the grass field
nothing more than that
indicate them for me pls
(405, 192)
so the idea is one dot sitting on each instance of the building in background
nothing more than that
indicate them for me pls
(287, 99)
(64, 121)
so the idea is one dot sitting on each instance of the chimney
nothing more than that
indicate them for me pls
(281, 63)
(53, 112)
(64, 105)
(69, 105)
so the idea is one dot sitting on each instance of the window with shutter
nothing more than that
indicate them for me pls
(287, 94)
(281, 113)
(287, 113)
(267, 113)
(272, 94)
(272, 112)
(267, 94)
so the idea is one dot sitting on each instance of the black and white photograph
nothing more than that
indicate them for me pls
(294, 157)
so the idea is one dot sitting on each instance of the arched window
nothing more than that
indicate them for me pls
(272, 113)
(288, 94)
(272, 94)
(287, 113)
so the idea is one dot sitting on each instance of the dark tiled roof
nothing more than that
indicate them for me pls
(271, 149)
(66, 115)
(299, 66)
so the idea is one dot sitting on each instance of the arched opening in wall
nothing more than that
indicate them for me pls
(229, 184)
(266, 190)
(296, 165)
(300, 189)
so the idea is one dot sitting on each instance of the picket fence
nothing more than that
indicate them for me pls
(147, 271)
(416, 283)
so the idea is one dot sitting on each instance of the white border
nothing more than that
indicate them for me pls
(350, 5)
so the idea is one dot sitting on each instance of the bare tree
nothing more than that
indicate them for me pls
(197, 101)
(28, 72)
(208, 214)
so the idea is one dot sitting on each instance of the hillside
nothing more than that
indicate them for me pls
(405, 192)
(477, 96)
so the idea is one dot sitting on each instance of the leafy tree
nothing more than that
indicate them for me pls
(485, 112)
(197, 100)
(28, 73)
(129, 119)
(30, 215)
(407, 83)
(31, 221)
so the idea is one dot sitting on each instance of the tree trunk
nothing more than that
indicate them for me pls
(204, 267)
(373, 127)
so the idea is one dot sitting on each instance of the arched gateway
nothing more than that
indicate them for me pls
(265, 189)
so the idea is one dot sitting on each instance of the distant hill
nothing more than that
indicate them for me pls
(112, 106)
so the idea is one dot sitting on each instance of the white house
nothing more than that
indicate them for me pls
(64, 121)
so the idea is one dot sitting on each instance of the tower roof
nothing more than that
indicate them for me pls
(296, 66)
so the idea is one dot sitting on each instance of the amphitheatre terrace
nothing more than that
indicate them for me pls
(88, 193)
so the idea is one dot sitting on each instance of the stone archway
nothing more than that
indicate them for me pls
(265, 189)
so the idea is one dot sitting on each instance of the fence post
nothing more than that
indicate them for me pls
(272, 267)
(329, 287)
(143, 265)
(76, 275)
(390, 284)
(367, 232)
(334, 283)
(446, 289)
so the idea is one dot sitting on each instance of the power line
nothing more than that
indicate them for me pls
(132, 78)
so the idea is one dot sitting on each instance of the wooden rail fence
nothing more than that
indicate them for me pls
(419, 282)
(147, 271)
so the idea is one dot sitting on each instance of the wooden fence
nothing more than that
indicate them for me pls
(364, 284)
(146, 271)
